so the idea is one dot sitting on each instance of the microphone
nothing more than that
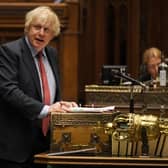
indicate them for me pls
(128, 78)
(116, 73)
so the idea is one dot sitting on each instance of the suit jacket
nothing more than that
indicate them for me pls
(21, 101)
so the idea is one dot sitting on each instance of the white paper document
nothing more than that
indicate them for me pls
(92, 109)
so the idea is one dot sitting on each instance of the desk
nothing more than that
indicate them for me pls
(97, 161)
(119, 96)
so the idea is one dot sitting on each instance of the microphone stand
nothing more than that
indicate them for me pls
(131, 100)
(133, 82)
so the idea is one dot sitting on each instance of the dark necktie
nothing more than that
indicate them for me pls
(46, 91)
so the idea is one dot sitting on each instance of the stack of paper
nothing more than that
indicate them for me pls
(92, 109)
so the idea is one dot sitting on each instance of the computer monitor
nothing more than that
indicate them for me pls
(108, 78)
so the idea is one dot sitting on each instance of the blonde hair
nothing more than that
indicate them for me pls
(46, 14)
(151, 52)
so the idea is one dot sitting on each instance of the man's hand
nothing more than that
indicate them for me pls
(62, 106)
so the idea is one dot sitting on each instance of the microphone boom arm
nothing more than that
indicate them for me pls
(128, 78)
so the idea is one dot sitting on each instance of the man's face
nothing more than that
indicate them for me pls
(40, 34)
(153, 66)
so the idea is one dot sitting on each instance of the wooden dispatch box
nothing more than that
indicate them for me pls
(75, 131)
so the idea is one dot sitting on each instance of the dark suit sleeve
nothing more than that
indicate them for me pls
(12, 94)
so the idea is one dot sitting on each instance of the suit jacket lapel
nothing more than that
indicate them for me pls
(30, 64)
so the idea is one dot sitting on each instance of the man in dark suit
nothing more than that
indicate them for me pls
(22, 90)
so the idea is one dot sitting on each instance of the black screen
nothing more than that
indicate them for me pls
(108, 78)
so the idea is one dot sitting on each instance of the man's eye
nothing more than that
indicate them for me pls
(46, 29)
(37, 27)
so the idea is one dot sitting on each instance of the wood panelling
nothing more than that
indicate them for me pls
(133, 45)
(69, 54)
(110, 36)
(117, 32)
(163, 31)
(16, 1)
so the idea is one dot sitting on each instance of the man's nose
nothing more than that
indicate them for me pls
(42, 30)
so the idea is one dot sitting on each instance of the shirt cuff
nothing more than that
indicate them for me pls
(44, 112)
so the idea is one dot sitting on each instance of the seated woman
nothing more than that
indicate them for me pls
(151, 61)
